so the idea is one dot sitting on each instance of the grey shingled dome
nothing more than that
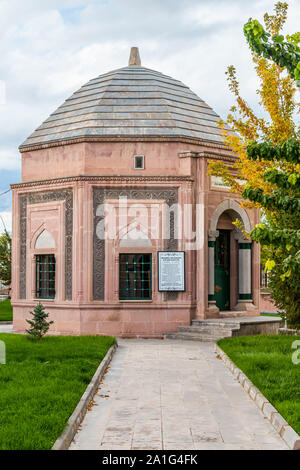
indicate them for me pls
(128, 102)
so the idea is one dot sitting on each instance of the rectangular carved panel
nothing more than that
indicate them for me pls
(100, 195)
(37, 198)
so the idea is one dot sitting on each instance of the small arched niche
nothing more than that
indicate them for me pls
(229, 209)
(135, 238)
(45, 241)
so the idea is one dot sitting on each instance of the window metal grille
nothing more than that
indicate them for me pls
(135, 280)
(45, 277)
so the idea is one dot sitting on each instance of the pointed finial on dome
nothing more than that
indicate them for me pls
(134, 58)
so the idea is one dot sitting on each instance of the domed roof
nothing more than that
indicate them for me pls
(129, 102)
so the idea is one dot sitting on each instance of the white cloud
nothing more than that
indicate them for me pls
(10, 159)
(49, 49)
(213, 14)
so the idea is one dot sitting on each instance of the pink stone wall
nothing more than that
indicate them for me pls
(54, 162)
(82, 315)
(106, 158)
(209, 198)
(266, 303)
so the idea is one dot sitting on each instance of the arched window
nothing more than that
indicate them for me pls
(135, 238)
(45, 240)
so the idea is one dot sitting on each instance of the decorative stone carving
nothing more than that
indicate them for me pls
(36, 198)
(99, 197)
(212, 235)
(105, 179)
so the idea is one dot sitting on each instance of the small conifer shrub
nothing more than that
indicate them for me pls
(39, 325)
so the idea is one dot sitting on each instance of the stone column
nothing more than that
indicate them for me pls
(245, 281)
(245, 271)
(212, 235)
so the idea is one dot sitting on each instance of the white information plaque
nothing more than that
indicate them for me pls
(171, 271)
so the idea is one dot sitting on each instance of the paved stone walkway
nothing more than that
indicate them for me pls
(172, 395)
(6, 328)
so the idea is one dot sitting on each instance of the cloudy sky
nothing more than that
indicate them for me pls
(50, 48)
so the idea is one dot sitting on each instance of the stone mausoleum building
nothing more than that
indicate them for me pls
(117, 227)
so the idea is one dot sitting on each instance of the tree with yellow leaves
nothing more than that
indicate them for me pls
(268, 154)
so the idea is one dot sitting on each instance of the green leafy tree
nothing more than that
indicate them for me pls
(280, 237)
(5, 258)
(267, 152)
(285, 52)
(39, 325)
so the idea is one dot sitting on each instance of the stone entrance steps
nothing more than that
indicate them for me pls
(211, 330)
(204, 330)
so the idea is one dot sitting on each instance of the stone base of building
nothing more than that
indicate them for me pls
(244, 308)
(212, 310)
(238, 314)
(247, 308)
(124, 321)
(121, 321)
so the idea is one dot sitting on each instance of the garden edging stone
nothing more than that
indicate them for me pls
(64, 440)
(286, 432)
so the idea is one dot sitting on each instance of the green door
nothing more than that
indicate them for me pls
(222, 270)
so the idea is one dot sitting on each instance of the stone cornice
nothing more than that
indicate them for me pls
(208, 154)
(88, 139)
(104, 178)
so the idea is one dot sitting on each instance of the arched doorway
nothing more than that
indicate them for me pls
(229, 259)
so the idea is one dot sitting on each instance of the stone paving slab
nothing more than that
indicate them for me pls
(258, 319)
(172, 395)
(6, 328)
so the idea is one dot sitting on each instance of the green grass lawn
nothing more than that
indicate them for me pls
(267, 361)
(270, 315)
(41, 385)
(5, 310)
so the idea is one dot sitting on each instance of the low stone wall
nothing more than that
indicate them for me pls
(259, 328)
(289, 331)
(266, 303)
